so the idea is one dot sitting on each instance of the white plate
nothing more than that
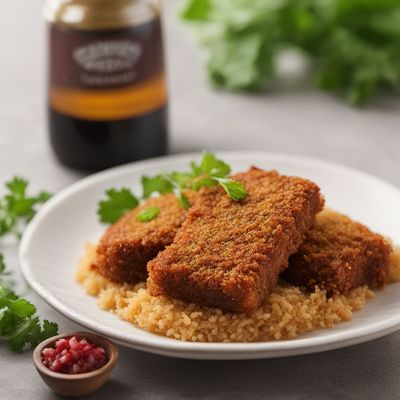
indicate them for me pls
(53, 243)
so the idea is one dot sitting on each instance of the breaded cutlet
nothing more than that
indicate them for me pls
(338, 255)
(229, 254)
(127, 245)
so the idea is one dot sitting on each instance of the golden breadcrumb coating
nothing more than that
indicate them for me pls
(338, 255)
(127, 245)
(229, 254)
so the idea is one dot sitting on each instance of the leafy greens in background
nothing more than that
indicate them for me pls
(354, 44)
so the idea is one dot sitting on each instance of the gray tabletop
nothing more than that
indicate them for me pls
(294, 120)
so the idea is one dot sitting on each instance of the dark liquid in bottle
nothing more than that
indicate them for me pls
(107, 96)
(95, 145)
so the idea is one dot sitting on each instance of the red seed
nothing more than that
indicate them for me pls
(73, 355)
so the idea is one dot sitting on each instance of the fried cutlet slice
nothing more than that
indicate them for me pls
(339, 254)
(229, 254)
(127, 245)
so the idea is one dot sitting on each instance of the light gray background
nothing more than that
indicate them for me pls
(297, 120)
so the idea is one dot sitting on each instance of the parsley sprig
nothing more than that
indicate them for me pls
(20, 327)
(17, 208)
(211, 171)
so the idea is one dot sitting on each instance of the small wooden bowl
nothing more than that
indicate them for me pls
(76, 385)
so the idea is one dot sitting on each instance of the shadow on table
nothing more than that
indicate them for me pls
(112, 389)
(364, 371)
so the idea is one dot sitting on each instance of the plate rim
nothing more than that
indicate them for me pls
(171, 347)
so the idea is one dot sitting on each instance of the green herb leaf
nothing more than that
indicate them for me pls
(22, 333)
(2, 264)
(211, 165)
(8, 322)
(117, 204)
(19, 307)
(16, 207)
(235, 190)
(43, 196)
(156, 184)
(49, 329)
(17, 187)
(202, 181)
(18, 324)
(196, 10)
(148, 214)
(183, 200)
(181, 179)
(6, 293)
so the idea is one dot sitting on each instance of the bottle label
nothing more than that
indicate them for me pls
(107, 63)
(107, 74)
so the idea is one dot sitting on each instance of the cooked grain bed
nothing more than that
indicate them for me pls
(288, 312)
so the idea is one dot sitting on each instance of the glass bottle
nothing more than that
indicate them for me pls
(107, 94)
